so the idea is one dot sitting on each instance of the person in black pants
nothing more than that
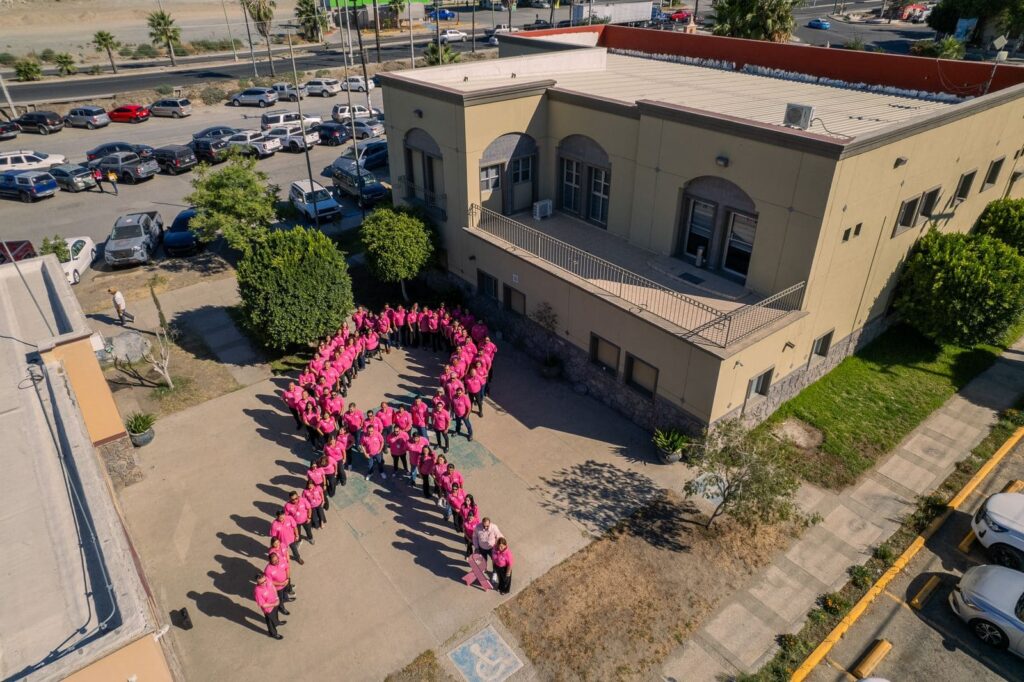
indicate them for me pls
(268, 601)
(502, 558)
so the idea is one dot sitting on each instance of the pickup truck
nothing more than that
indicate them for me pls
(134, 239)
(286, 91)
(499, 29)
(292, 139)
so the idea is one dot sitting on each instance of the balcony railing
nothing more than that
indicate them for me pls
(697, 318)
(435, 203)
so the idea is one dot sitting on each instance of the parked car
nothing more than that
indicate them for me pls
(26, 159)
(325, 87)
(819, 23)
(284, 117)
(129, 166)
(81, 254)
(538, 24)
(214, 133)
(451, 35)
(71, 177)
(287, 91)
(210, 149)
(254, 142)
(371, 155)
(564, 23)
(365, 128)
(313, 200)
(259, 97)
(292, 139)
(179, 239)
(499, 29)
(9, 130)
(27, 185)
(175, 158)
(356, 84)
(176, 107)
(680, 15)
(134, 239)
(42, 122)
(540, 4)
(360, 184)
(18, 249)
(90, 117)
(990, 599)
(441, 15)
(999, 527)
(332, 134)
(143, 150)
(342, 113)
(493, 40)
(130, 113)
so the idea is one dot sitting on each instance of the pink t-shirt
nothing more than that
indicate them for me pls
(419, 413)
(461, 405)
(502, 557)
(473, 384)
(386, 415)
(284, 530)
(276, 574)
(440, 419)
(426, 465)
(415, 447)
(298, 510)
(314, 496)
(316, 474)
(398, 443)
(353, 420)
(266, 597)
(373, 443)
(403, 420)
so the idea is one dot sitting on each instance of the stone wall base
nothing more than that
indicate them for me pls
(119, 458)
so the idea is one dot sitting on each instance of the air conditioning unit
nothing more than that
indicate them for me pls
(798, 116)
(542, 209)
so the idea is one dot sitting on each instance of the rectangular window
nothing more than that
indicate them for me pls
(522, 170)
(515, 301)
(640, 375)
(857, 228)
(930, 202)
(571, 185)
(963, 188)
(907, 217)
(992, 176)
(600, 188)
(846, 235)
(740, 243)
(760, 384)
(822, 344)
(604, 354)
(486, 285)
(700, 224)
(490, 178)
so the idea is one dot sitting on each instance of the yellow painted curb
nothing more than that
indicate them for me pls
(926, 591)
(819, 653)
(1014, 487)
(879, 650)
(967, 542)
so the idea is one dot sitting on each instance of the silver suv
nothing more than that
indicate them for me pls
(280, 117)
(343, 113)
(90, 117)
(134, 238)
(287, 91)
(175, 107)
(999, 527)
(260, 97)
(325, 87)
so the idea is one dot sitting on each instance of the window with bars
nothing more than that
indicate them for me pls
(571, 185)
(700, 225)
(600, 188)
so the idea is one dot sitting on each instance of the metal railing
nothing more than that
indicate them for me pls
(697, 318)
(435, 203)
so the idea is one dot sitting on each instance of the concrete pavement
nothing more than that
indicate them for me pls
(741, 635)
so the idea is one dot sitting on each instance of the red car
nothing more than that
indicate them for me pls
(680, 15)
(129, 113)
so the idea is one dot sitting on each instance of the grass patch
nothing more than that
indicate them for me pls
(872, 400)
(794, 648)
(423, 668)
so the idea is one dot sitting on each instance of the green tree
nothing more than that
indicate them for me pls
(57, 246)
(398, 245)
(397, 7)
(28, 70)
(105, 40)
(748, 475)
(1004, 220)
(944, 48)
(312, 21)
(756, 19)
(262, 14)
(961, 288)
(440, 54)
(65, 64)
(234, 201)
(162, 31)
(295, 287)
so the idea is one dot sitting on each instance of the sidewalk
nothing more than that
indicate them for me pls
(740, 637)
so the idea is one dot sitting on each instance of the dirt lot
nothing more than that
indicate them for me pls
(615, 610)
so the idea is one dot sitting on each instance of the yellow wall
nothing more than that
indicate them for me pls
(142, 659)
(97, 404)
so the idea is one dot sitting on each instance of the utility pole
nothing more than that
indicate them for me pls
(362, 56)
(248, 33)
(412, 49)
(302, 123)
(7, 96)
(472, 33)
(351, 112)
(224, 6)
(376, 27)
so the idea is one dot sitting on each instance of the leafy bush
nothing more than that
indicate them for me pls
(947, 48)
(212, 45)
(928, 507)
(7, 59)
(65, 64)
(861, 576)
(94, 70)
(670, 440)
(295, 287)
(164, 89)
(211, 95)
(886, 554)
(145, 51)
(126, 51)
(57, 246)
(139, 422)
(322, 73)
(398, 245)
(28, 70)
(960, 288)
(47, 56)
(834, 604)
(1004, 220)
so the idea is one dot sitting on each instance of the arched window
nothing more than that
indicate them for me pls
(584, 179)
(508, 173)
(717, 225)
(424, 177)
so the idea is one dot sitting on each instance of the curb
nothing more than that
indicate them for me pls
(823, 649)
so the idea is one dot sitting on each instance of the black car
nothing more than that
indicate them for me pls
(214, 133)
(210, 150)
(42, 122)
(9, 130)
(143, 150)
(332, 134)
(374, 154)
(180, 240)
(537, 25)
(175, 158)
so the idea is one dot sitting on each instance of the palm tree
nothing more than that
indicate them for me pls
(436, 54)
(311, 20)
(162, 31)
(398, 7)
(105, 40)
(65, 64)
(756, 19)
(262, 13)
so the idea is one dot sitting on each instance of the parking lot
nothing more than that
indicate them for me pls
(931, 643)
(92, 214)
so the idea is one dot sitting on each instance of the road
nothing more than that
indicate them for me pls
(889, 37)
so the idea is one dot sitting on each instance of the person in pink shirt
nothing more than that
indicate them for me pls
(398, 446)
(442, 480)
(358, 317)
(412, 319)
(293, 398)
(475, 389)
(426, 469)
(383, 329)
(462, 407)
(490, 350)
(373, 450)
(318, 476)
(268, 601)
(286, 530)
(440, 419)
(336, 451)
(314, 496)
(325, 428)
(416, 444)
(453, 511)
(470, 519)
(502, 558)
(281, 550)
(330, 469)
(419, 410)
(353, 421)
(426, 337)
(455, 476)
(277, 575)
(479, 331)
(298, 508)
(372, 344)
(403, 420)
(398, 318)
(386, 415)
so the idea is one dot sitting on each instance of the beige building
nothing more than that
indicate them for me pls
(703, 259)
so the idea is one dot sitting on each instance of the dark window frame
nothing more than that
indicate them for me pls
(631, 361)
(595, 341)
(506, 299)
(754, 385)
(482, 277)
(964, 186)
(908, 208)
(995, 165)
(827, 338)
(924, 209)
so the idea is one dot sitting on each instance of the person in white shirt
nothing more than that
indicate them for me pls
(485, 538)
(120, 307)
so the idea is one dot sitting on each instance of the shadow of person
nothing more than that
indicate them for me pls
(272, 491)
(235, 577)
(252, 524)
(246, 545)
(217, 605)
(432, 555)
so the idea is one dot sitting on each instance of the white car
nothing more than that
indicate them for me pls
(452, 35)
(325, 87)
(493, 41)
(254, 142)
(499, 29)
(82, 251)
(357, 84)
(342, 113)
(313, 199)
(26, 159)
(291, 137)
(999, 527)
(990, 599)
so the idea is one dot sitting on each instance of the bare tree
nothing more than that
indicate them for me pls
(159, 354)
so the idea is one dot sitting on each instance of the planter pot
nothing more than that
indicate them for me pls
(141, 439)
(669, 456)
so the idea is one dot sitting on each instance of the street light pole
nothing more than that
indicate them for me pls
(302, 124)
(362, 56)
(248, 33)
(412, 50)
(224, 6)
